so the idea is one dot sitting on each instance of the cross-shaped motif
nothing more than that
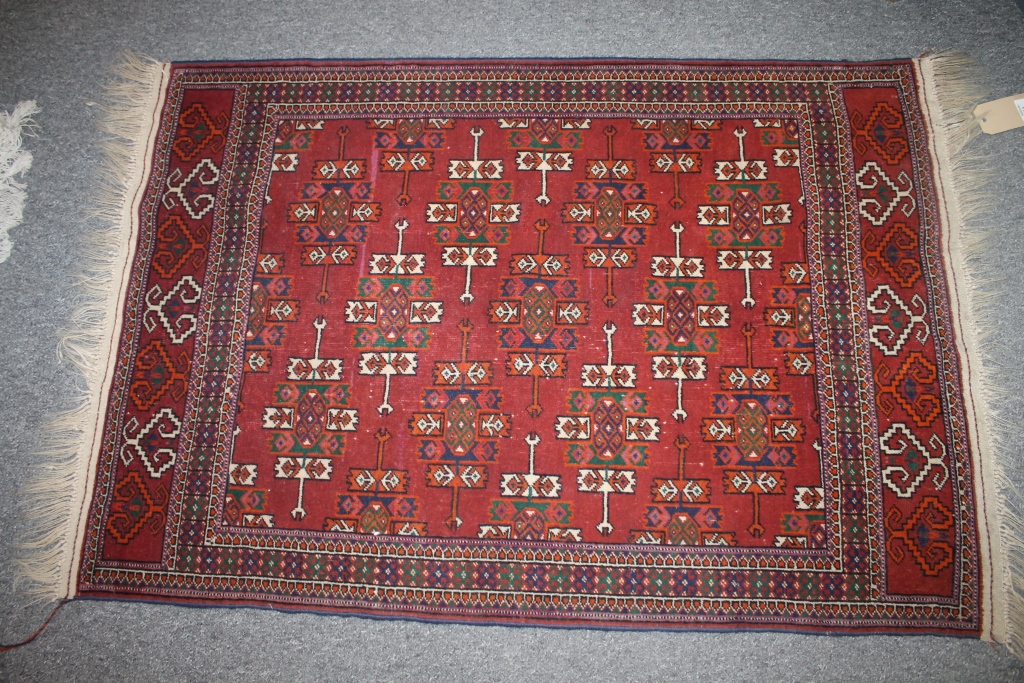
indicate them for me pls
(463, 371)
(682, 515)
(675, 163)
(604, 422)
(677, 313)
(676, 367)
(609, 225)
(476, 222)
(548, 144)
(745, 260)
(681, 488)
(609, 375)
(398, 263)
(606, 482)
(544, 162)
(335, 214)
(531, 485)
(302, 468)
(407, 146)
(679, 368)
(537, 316)
(748, 227)
(349, 169)
(327, 256)
(611, 168)
(377, 502)
(388, 364)
(468, 258)
(755, 483)
(330, 212)
(677, 265)
(754, 429)
(672, 143)
(379, 479)
(475, 168)
(742, 168)
(530, 506)
(750, 377)
(316, 368)
(397, 314)
(610, 258)
(303, 415)
(460, 432)
(334, 201)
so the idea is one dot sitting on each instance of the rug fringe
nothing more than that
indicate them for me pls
(56, 499)
(14, 161)
(951, 89)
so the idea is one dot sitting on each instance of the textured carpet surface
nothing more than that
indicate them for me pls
(60, 54)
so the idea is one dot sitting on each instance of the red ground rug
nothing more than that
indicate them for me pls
(612, 344)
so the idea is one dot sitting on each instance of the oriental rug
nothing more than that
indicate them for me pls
(588, 343)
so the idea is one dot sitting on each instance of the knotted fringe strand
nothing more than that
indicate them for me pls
(56, 499)
(14, 161)
(951, 89)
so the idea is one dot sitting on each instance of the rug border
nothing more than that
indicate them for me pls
(57, 500)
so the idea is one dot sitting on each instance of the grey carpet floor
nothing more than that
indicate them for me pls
(60, 53)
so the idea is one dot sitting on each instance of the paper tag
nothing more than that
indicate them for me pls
(1001, 115)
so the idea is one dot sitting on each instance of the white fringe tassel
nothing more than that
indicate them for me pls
(57, 498)
(14, 161)
(951, 90)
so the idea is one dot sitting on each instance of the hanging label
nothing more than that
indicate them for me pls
(1001, 115)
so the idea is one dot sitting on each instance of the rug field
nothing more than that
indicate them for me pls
(609, 344)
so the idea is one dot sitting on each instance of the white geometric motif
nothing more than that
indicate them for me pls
(882, 335)
(742, 168)
(868, 178)
(188, 291)
(315, 368)
(544, 162)
(897, 441)
(196, 205)
(677, 266)
(530, 484)
(387, 363)
(606, 482)
(167, 426)
(679, 368)
(469, 257)
(745, 260)
(610, 375)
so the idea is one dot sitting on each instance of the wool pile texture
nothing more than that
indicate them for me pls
(607, 344)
